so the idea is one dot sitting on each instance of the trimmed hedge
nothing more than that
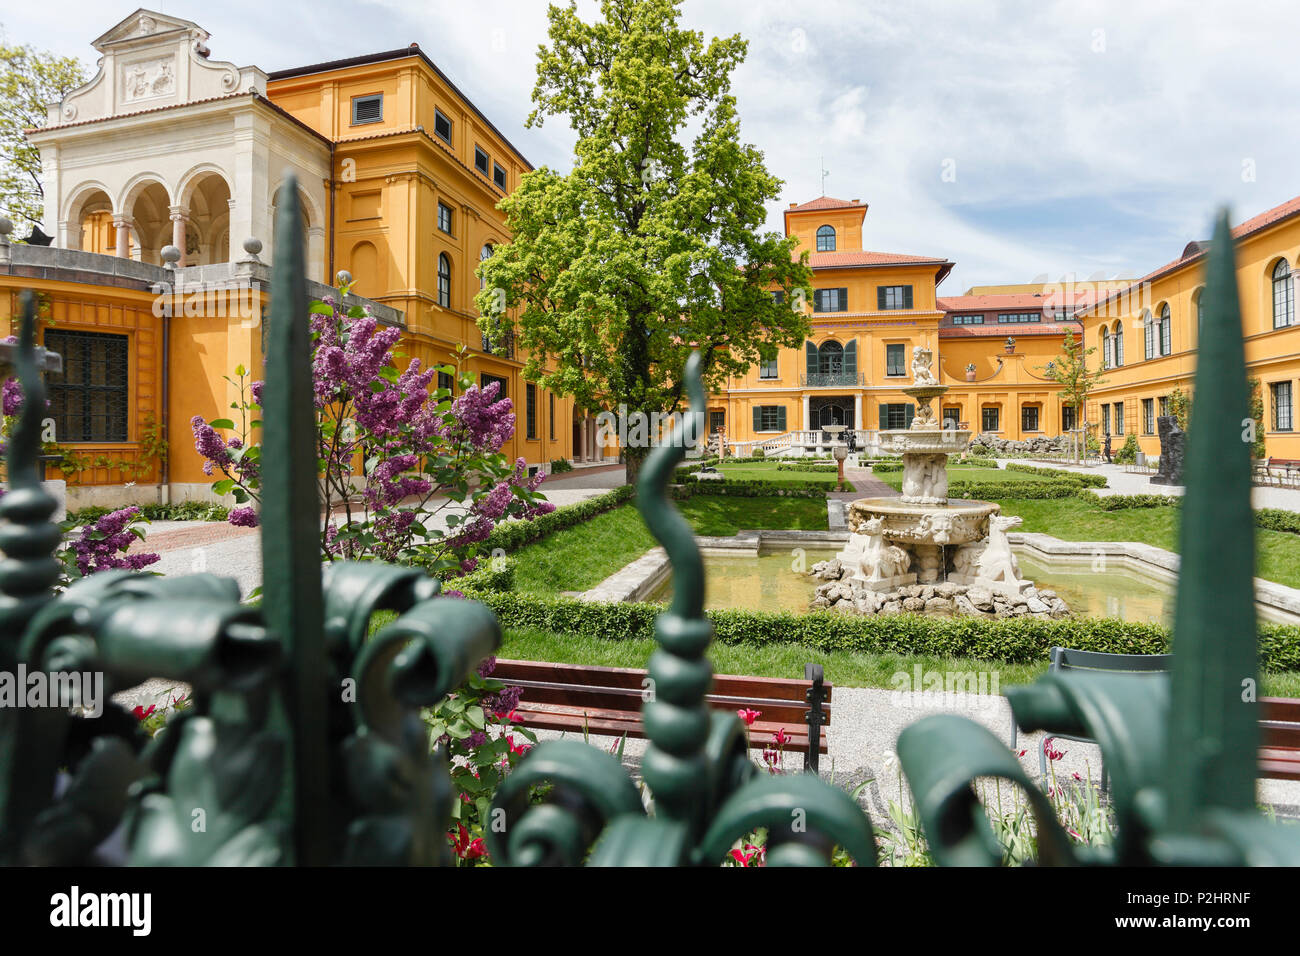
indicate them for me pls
(884, 467)
(510, 535)
(1088, 481)
(818, 467)
(749, 488)
(681, 471)
(1270, 519)
(973, 463)
(989, 490)
(491, 575)
(179, 511)
(1012, 640)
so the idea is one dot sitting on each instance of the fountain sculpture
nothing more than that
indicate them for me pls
(923, 546)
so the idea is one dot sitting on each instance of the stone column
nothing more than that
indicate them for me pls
(807, 415)
(180, 217)
(123, 226)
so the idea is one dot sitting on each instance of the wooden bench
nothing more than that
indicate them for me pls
(1279, 471)
(607, 701)
(1279, 749)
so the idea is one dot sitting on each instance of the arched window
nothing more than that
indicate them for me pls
(444, 281)
(825, 239)
(1196, 314)
(1148, 336)
(830, 358)
(1105, 348)
(1166, 331)
(484, 255)
(1117, 334)
(1283, 295)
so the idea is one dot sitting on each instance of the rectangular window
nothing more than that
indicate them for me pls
(767, 369)
(1067, 418)
(1105, 420)
(895, 360)
(1166, 333)
(1148, 416)
(530, 410)
(367, 109)
(441, 127)
(769, 418)
(445, 380)
(551, 418)
(1029, 418)
(778, 296)
(481, 160)
(831, 300)
(88, 401)
(1018, 318)
(717, 422)
(1164, 405)
(894, 415)
(499, 176)
(1282, 417)
(484, 380)
(894, 297)
(1119, 418)
(989, 419)
(974, 319)
(951, 413)
(444, 218)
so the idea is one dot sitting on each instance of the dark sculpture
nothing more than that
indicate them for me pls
(1173, 449)
(305, 744)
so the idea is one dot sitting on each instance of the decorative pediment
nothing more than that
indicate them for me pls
(146, 26)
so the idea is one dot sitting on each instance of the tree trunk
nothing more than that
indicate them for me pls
(633, 459)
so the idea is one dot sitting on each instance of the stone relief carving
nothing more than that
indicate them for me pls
(141, 82)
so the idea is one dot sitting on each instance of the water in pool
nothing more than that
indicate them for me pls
(770, 583)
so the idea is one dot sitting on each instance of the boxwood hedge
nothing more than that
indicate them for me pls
(1013, 640)
(1087, 481)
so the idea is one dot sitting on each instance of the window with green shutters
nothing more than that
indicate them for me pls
(895, 359)
(769, 418)
(896, 414)
(894, 297)
(831, 300)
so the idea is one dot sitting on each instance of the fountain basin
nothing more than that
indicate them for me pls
(954, 522)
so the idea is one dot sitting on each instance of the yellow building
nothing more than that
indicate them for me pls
(869, 310)
(1147, 334)
(398, 173)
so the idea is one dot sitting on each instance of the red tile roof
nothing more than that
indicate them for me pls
(841, 260)
(827, 202)
(998, 330)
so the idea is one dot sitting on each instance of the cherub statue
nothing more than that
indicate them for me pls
(922, 373)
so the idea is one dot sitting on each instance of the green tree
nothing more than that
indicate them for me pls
(29, 81)
(650, 247)
(1070, 371)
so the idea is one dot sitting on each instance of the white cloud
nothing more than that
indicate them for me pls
(1086, 136)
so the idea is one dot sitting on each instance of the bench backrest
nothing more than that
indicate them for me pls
(1279, 722)
(622, 689)
(1065, 659)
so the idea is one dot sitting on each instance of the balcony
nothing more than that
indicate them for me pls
(838, 379)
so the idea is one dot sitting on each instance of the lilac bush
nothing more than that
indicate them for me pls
(405, 472)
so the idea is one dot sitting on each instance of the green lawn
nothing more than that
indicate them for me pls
(750, 470)
(1073, 519)
(581, 557)
(844, 668)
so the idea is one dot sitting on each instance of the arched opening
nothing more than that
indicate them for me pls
(1166, 331)
(305, 216)
(90, 222)
(825, 239)
(830, 359)
(365, 269)
(1283, 295)
(1105, 348)
(206, 206)
(444, 281)
(1117, 343)
(1148, 334)
(148, 207)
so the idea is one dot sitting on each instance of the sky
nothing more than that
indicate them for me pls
(1024, 140)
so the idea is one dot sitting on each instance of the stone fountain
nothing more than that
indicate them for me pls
(922, 545)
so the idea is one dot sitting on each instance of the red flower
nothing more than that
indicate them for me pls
(781, 738)
(749, 716)
(510, 718)
(751, 855)
(141, 713)
(466, 848)
(1052, 752)
(521, 749)
(1076, 775)
(1020, 753)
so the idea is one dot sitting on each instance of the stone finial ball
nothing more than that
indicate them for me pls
(253, 245)
(170, 256)
(344, 277)
(6, 226)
